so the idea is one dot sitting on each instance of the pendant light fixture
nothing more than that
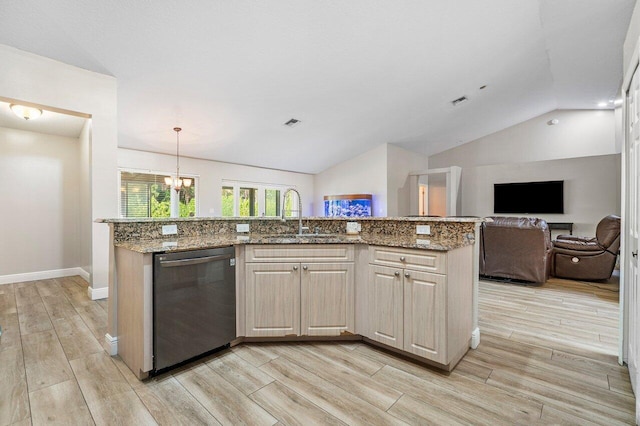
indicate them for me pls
(177, 182)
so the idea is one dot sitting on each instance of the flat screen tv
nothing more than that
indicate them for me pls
(529, 197)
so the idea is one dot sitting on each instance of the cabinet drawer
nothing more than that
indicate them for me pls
(418, 260)
(300, 253)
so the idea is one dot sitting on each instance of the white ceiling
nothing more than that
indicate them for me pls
(358, 73)
(50, 123)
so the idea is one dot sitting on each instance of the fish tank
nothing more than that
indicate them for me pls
(348, 205)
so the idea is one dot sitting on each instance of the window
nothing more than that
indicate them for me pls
(272, 202)
(146, 195)
(246, 199)
(227, 201)
(248, 202)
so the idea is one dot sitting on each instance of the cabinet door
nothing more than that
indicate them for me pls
(273, 299)
(386, 305)
(327, 304)
(424, 315)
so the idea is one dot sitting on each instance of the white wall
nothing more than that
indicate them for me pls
(40, 219)
(591, 188)
(579, 133)
(210, 176)
(84, 205)
(32, 78)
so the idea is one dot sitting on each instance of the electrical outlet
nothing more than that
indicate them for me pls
(169, 229)
(422, 242)
(353, 227)
(423, 230)
(242, 227)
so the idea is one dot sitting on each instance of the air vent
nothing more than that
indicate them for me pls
(460, 100)
(293, 122)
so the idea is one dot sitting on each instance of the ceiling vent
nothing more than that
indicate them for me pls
(460, 100)
(293, 122)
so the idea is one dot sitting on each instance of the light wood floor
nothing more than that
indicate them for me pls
(546, 357)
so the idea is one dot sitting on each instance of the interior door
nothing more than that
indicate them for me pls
(633, 221)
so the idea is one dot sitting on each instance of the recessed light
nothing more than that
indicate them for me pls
(553, 122)
(617, 102)
(292, 122)
(483, 87)
(460, 100)
(602, 104)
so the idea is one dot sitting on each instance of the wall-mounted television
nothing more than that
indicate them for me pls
(529, 197)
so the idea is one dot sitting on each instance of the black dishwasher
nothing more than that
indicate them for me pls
(194, 304)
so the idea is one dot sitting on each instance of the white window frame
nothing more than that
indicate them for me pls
(261, 187)
(196, 179)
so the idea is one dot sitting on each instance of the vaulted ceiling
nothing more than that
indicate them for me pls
(356, 73)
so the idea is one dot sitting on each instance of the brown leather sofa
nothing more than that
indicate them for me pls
(584, 258)
(517, 248)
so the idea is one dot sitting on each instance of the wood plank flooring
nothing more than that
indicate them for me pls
(547, 356)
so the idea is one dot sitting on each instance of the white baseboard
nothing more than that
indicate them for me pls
(111, 344)
(475, 338)
(85, 275)
(98, 293)
(43, 275)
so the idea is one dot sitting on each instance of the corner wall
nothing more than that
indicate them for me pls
(581, 149)
(36, 79)
(382, 172)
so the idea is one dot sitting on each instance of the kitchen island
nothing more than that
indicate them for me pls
(413, 294)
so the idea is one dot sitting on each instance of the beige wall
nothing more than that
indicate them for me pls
(579, 133)
(32, 78)
(211, 173)
(364, 174)
(591, 188)
(84, 205)
(400, 163)
(381, 172)
(581, 149)
(40, 217)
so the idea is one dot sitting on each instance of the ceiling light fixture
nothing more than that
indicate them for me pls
(553, 122)
(177, 182)
(25, 112)
(602, 104)
(618, 101)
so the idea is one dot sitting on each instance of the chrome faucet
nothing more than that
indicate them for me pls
(284, 197)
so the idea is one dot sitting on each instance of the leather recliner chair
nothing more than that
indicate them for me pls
(515, 248)
(584, 258)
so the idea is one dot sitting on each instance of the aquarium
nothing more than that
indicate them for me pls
(349, 205)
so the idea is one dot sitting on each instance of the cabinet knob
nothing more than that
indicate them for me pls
(305, 267)
(402, 259)
(295, 268)
(396, 273)
(407, 275)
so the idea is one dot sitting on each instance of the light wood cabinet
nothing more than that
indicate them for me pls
(304, 295)
(419, 312)
(386, 306)
(424, 320)
(327, 292)
(272, 299)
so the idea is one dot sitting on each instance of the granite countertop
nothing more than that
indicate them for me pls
(204, 242)
(468, 219)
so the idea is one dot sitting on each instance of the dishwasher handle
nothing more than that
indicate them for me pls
(194, 260)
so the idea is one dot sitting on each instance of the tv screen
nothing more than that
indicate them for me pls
(529, 197)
